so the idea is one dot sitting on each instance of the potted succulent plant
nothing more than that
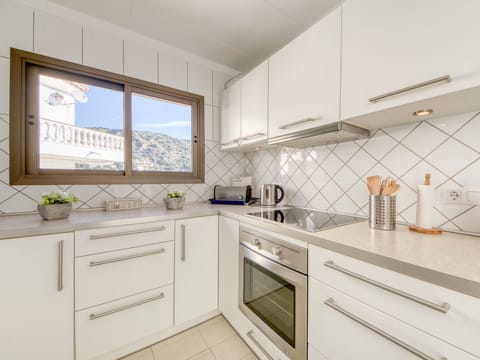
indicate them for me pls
(174, 200)
(56, 205)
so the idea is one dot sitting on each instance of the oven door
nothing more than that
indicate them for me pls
(274, 298)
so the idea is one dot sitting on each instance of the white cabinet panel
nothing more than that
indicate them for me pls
(230, 116)
(57, 37)
(389, 45)
(172, 71)
(16, 27)
(200, 81)
(219, 80)
(4, 85)
(109, 276)
(254, 104)
(341, 337)
(102, 50)
(109, 326)
(140, 61)
(208, 119)
(196, 267)
(304, 79)
(37, 314)
(216, 124)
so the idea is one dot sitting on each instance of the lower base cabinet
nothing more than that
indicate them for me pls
(343, 328)
(109, 326)
(36, 301)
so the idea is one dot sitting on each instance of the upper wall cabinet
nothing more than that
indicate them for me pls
(172, 71)
(390, 46)
(230, 117)
(16, 20)
(200, 81)
(304, 79)
(140, 62)
(102, 50)
(254, 105)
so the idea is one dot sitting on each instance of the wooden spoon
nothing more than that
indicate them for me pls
(395, 189)
(374, 184)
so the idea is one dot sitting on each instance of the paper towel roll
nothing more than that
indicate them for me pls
(425, 206)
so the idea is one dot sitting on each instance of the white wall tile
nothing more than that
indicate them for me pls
(57, 37)
(200, 81)
(219, 80)
(172, 71)
(4, 85)
(140, 61)
(102, 50)
(16, 20)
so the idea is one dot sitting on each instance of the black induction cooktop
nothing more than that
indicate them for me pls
(306, 219)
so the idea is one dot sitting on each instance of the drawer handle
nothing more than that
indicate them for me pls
(94, 316)
(298, 123)
(128, 257)
(247, 137)
(257, 344)
(60, 266)
(125, 233)
(445, 78)
(332, 304)
(444, 308)
(234, 141)
(182, 255)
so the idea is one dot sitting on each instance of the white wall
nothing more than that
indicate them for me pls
(48, 29)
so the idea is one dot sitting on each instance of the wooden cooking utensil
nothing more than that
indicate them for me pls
(395, 189)
(374, 183)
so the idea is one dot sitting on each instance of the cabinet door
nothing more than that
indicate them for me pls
(304, 79)
(389, 45)
(196, 267)
(254, 104)
(36, 305)
(230, 116)
(140, 61)
(102, 50)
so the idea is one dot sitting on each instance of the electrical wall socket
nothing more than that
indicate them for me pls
(463, 196)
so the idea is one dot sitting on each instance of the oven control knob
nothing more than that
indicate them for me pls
(257, 243)
(276, 250)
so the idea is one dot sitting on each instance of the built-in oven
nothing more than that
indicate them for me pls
(273, 285)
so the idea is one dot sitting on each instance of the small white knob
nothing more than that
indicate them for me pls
(276, 250)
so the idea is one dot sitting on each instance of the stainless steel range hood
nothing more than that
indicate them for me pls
(326, 134)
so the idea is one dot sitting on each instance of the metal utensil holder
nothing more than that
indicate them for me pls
(382, 212)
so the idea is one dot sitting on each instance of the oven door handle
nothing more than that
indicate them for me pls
(257, 344)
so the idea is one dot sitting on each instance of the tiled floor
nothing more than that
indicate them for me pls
(212, 340)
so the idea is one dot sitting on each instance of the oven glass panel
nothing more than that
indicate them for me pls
(271, 298)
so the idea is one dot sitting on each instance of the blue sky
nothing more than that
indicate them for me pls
(104, 108)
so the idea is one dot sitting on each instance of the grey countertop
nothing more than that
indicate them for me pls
(449, 260)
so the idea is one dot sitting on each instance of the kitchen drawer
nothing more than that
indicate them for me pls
(460, 325)
(109, 326)
(121, 237)
(347, 332)
(108, 276)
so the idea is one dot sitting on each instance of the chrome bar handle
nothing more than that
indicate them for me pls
(332, 304)
(443, 308)
(128, 257)
(247, 137)
(60, 266)
(94, 316)
(182, 256)
(125, 233)
(441, 79)
(257, 344)
(234, 141)
(298, 123)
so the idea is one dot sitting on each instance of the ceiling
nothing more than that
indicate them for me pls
(236, 33)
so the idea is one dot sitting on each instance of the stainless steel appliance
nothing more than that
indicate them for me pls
(273, 289)
(271, 194)
(241, 194)
(306, 219)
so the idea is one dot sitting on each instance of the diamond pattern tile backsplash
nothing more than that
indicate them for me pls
(333, 177)
(220, 167)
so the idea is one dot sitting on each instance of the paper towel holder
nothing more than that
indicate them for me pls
(415, 228)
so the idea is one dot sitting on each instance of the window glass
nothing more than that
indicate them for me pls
(81, 125)
(161, 135)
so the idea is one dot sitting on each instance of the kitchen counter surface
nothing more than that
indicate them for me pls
(449, 260)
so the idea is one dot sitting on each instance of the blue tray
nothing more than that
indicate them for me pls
(226, 202)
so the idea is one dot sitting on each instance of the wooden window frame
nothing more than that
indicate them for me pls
(24, 156)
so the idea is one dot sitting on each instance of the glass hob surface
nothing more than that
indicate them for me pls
(306, 219)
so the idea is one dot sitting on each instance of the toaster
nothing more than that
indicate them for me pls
(232, 194)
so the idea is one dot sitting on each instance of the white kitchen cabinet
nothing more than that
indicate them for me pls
(16, 20)
(102, 50)
(196, 267)
(57, 37)
(219, 80)
(254, 105)
(230, 117)
(304, 79)
(172, 71)
(388, 45)
(200, 81)
(140, 61)
(36, 305)
(345, 330)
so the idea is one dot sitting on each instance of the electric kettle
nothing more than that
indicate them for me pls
(271, 194)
